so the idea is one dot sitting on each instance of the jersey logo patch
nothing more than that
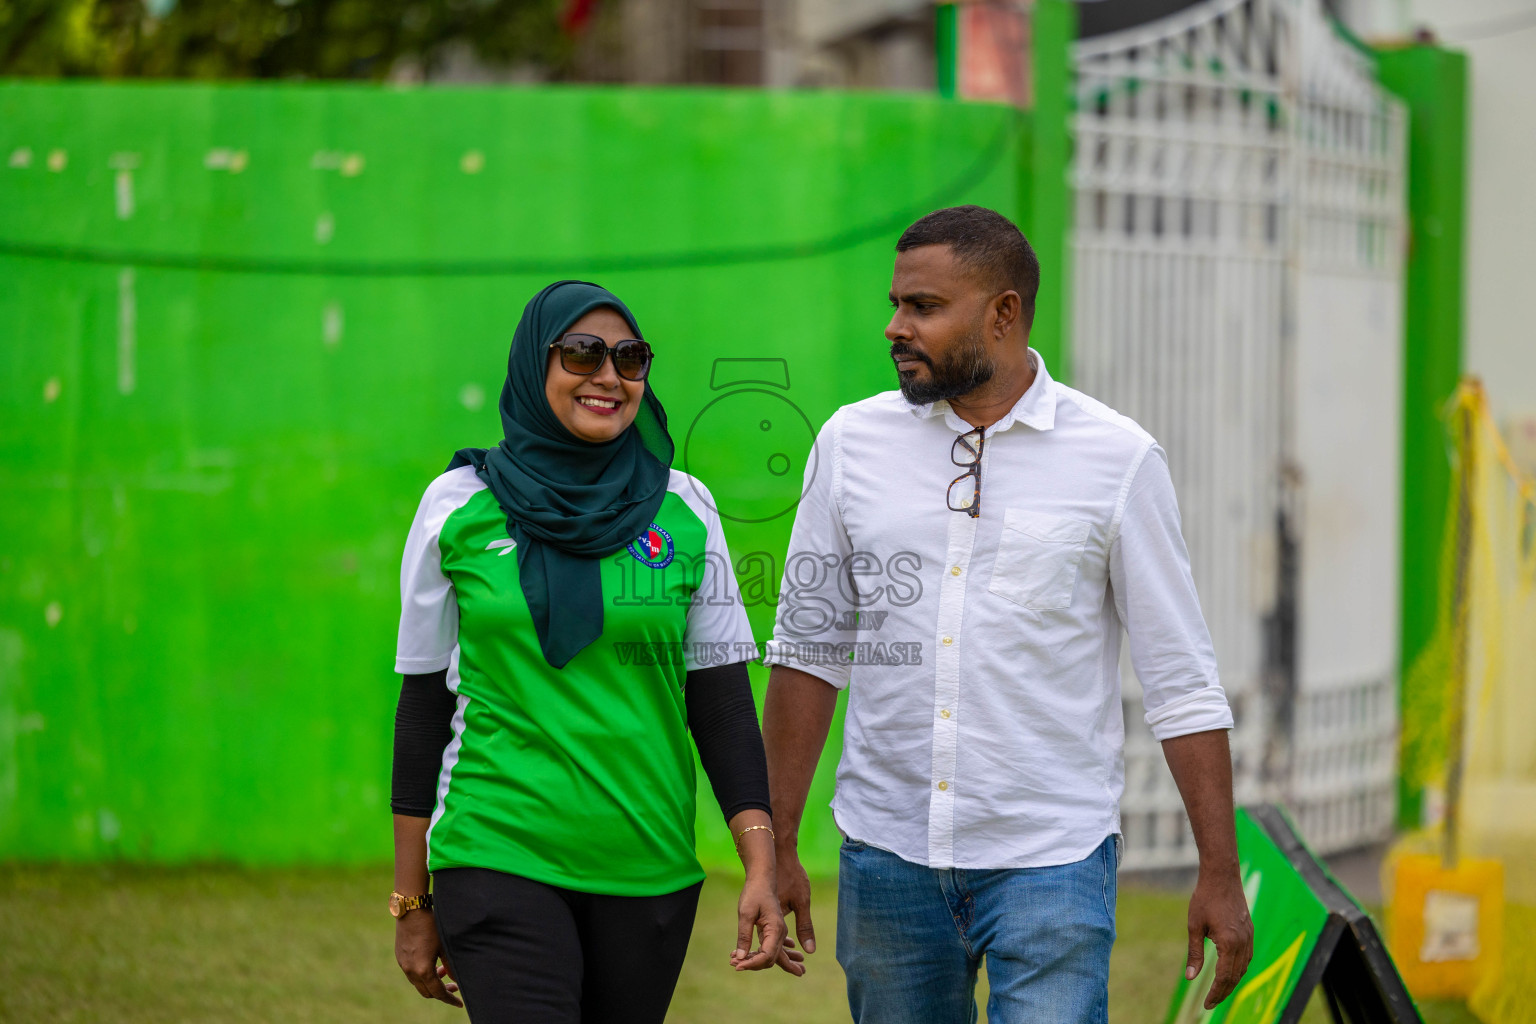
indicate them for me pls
(653, 547)
(507, 543)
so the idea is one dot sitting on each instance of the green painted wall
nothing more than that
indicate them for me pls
(1045, 192)
(241, 328)
(946, 42)
(1049, 202)
(1433, 82)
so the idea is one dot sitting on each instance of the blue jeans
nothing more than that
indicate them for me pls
(911, 939)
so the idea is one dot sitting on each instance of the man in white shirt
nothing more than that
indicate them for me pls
(965, 555)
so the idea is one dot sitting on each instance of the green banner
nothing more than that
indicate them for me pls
(244, 326)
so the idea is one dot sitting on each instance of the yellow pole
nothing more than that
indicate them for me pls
(1466, 440)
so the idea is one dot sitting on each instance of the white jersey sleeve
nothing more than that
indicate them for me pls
(717, 631)
(429, 612)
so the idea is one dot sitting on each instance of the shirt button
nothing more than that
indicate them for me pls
(944, 713)
(948, 641)
(955, 571)
(943, 786)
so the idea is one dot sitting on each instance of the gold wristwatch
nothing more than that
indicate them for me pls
(399, 905)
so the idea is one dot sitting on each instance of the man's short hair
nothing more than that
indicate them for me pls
(986, 242)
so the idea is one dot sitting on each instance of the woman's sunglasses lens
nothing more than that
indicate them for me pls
(580, 354)
(632, 359)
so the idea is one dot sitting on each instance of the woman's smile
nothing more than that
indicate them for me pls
(600, 404)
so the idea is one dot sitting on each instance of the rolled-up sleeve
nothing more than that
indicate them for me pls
(1155, 596)
(805, 633)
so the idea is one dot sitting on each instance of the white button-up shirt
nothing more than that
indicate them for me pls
(984, 725)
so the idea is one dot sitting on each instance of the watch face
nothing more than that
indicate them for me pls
(394, 904)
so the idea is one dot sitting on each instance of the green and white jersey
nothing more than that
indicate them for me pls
(580, 777)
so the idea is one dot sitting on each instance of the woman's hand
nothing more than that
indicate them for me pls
(758, 910)
(417, 950)
(418, 947)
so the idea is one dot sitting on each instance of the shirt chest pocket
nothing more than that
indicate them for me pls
(1037, 559)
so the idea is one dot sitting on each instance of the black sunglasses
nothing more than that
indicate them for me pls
(584, 354)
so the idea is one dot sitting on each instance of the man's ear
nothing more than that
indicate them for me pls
(1006, 309)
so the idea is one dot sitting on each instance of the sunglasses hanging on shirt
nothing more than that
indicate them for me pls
(965, 490)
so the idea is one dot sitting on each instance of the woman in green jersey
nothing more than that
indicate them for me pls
(569, 620)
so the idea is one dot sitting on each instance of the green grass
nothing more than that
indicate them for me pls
(124, 944)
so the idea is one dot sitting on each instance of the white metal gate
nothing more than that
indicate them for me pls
(1237, 273)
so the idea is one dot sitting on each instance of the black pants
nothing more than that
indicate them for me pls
(528, 953)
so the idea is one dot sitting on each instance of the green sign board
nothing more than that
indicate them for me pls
(1307, 930)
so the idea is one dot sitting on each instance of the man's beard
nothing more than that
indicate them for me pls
(963, 369)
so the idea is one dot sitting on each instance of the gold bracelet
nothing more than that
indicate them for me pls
(752, 828)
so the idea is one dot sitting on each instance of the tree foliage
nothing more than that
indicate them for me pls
(318, 39)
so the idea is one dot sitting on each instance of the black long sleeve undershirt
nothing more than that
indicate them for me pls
(721, 717)
(423, 727)
(723, 721)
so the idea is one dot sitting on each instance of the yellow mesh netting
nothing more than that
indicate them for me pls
(1470, 717)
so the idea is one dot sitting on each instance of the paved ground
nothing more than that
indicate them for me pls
(1358, 870)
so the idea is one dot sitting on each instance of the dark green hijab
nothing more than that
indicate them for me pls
(568, 502)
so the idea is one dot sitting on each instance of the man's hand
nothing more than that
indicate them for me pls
(797, 712)
(795, 896)
(1201, 764)
(1219, 910)
(417, 950)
